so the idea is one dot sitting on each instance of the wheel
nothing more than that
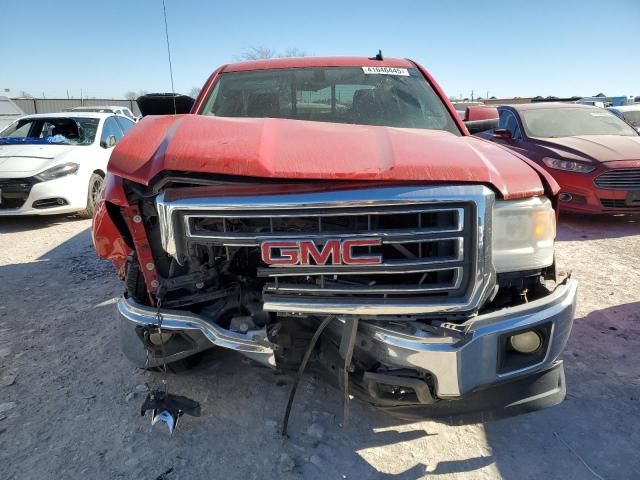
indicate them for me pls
(93, 195)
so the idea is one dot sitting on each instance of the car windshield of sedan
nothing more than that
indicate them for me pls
(53, 131)
(571, 122)
(394, 97)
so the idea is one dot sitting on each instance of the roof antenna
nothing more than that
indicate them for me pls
(378, 56)
(166, 33)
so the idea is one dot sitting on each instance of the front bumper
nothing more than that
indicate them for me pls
(72, 189)
(588, 198)
(457, 374)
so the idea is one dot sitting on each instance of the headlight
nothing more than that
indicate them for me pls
(523, 234)
(58, 171)
(568, 165)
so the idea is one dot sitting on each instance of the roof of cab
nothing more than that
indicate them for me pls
(310, 62)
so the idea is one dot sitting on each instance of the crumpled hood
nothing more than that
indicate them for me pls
(293, 149)
(28, 160)
(594, 148)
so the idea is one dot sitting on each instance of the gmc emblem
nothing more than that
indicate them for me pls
(333, 252)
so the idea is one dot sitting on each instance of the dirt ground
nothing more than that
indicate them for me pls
(69, 401)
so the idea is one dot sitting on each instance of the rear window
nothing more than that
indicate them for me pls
(391, 97)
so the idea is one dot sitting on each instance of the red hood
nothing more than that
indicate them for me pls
(293, 149)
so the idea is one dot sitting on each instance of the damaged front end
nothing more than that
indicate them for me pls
(418, 319)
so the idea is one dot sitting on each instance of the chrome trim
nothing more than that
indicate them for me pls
(387, 237)
(381, 289)
(481, 274)
(460, 365)
(253, 344)
(339, 199)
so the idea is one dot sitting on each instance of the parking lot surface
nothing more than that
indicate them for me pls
(70, 402)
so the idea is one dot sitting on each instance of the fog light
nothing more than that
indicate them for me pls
(159, 338)
(527, 342)
(565, 197)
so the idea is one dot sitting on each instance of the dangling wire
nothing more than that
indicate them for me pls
(166, 33)
(301, 369)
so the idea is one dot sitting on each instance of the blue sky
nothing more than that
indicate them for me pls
(508, 48)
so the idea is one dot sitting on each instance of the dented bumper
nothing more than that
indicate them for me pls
(465, 373)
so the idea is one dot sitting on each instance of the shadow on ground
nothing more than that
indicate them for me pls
(34, 222)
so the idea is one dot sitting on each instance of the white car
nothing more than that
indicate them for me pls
(115, 109)
(55, 163)
(628, 113)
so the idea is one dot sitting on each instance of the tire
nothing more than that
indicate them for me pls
(93, 195)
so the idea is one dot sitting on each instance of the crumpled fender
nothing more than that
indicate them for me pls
(108, 239)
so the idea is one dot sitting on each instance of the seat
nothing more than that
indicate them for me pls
(263, 105)
(366, 106)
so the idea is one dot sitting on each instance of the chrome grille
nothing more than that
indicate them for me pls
(619, 179)
(433, 244)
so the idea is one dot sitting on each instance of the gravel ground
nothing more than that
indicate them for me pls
(69, 401)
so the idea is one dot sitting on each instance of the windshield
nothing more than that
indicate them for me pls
(632, 117)
(55, 131)
(394, 97)
(573, 121)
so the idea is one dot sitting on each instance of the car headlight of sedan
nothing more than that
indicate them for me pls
(568, 165)
(58, 171)
(523, 234)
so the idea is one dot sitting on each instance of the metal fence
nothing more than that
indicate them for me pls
(53, 105)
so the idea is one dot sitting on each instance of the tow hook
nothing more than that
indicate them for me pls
(168, 408)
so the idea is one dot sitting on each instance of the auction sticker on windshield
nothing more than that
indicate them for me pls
(385, 71)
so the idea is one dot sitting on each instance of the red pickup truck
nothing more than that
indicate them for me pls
(337, 210)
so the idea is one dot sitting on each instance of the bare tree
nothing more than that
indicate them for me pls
(131, 95)
(257, 52)
(293, 52)
(24, 94)
(194, 92)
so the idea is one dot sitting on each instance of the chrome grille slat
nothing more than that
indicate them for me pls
(434, 242)
(619, 179)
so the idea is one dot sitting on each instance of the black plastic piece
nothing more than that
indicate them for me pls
(526, 394)
(164, 104)
(378, 56)
(175, 404)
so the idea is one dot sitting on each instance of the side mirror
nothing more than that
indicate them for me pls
(109, 142)
(502, 133)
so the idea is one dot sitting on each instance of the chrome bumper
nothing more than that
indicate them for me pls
(460, 365)
(201, 335)
(457, 364)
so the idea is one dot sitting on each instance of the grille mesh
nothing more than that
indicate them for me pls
(619, 179)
